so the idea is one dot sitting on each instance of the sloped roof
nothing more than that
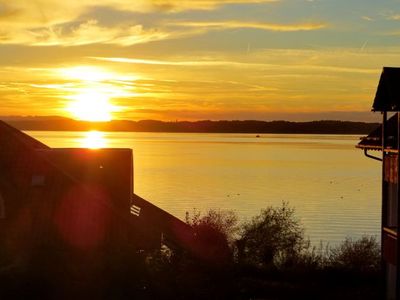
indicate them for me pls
(387, 96)
(77, 180)
(9, 131)
(374, 140)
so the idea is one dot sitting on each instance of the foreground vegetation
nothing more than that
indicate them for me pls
(270, 258)
(265, 258)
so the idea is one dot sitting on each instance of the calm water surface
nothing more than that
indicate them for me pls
(334, 188)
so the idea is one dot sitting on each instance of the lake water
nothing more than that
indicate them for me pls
(334, 188)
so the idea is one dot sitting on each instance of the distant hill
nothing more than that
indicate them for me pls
(247, 126)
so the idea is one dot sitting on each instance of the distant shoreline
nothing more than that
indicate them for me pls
(235, 126)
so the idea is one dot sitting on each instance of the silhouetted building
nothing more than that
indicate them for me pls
(386, 138)
(70, 215)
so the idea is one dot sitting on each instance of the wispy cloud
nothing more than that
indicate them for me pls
(253, 25)
(240, 64)
(395, 17)
(125, 34)
(367, 18)
(69, 23)
(89, 32)
(392, 33)
(176, 63)
(177, 5)
(48, 12)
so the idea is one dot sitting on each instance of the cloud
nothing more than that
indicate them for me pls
(51, 22)
(176, 63)
(51, 12)
(253, 25)
(93, 32)
(367, 18)
(227, 63)
(176, 5)
(89, 32)
(395, 17)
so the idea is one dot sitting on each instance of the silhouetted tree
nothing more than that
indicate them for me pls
(216, 233)
(273, 238)
(361, 255)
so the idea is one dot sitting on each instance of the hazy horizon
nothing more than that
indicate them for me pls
(367, 118)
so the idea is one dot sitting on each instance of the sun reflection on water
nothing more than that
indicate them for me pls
(94, 140)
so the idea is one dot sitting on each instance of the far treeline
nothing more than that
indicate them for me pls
(247, 126)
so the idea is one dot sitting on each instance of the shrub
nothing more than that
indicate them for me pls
(361, 255)
(215, 232)
(312, 258)
(273, 238)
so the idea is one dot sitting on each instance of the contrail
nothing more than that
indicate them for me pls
(363, 46)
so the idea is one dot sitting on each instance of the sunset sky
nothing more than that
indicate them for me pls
(199, 59)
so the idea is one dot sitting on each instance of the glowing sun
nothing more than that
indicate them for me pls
(91, 106)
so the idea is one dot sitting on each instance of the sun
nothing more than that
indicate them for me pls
(91, 106)
(90, 92)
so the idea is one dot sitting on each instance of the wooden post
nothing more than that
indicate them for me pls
(384, 203)
(398, 209)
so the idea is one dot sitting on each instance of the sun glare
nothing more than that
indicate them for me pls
(94, 140)
(92, 90)
(91, 106)
(86, 73)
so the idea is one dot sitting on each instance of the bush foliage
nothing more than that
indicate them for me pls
(216, 232)
(274, 237)
(361, 255)
(271, 256)
(267, 257)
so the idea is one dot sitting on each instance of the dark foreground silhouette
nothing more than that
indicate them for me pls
(265, 258)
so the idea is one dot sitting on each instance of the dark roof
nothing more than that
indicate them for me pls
(8, 131)
(78, 180)
(388, 93)
(374, 139)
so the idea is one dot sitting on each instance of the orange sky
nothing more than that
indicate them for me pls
(200, 59)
